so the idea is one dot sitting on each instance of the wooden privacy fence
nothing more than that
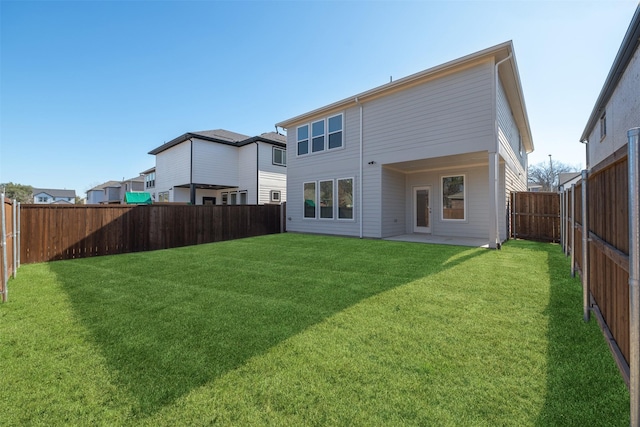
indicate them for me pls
(535, 216)
(57, 232)
(606, 276)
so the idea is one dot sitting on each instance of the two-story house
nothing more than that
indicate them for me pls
(437, 152)
(150, 181)
(617, 108)
(222, 168)
(50, 195)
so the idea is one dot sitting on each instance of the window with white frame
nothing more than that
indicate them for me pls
(333, 197)
(163, 196)
(310, 200)
(279, 156)
(326, 134)
(326, 199)
(233, 198)
(335, 131)
(302, 135)
(243, 197)
(225, 198)
(317, 136)
(453, 198)
(275, 196)
(603, 126)
(345, 198)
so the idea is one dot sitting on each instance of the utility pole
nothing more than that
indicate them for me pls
(553, 179)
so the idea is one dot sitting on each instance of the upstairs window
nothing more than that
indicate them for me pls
(326, 134)
(603, 126)
(317, 136)
(335, 131)
(279, 156)
(303, 140)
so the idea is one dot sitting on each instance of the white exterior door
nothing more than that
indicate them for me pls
(422, 209)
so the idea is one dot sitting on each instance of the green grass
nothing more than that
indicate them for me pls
(306, 330)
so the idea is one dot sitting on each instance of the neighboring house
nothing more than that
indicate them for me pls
(221, 167)
(50, 196)
(113, 192)
(565, 179)
(436, 152)
(130, 185)
(150, 182)
(534, 188)
(618, 106)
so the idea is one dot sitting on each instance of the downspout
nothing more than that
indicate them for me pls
(258, 171)
(360, 210)
(192, 188)
(495, 177)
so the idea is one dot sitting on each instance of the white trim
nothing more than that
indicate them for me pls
(315, 201)
(353, 217)
(300, 140)
(414, 191)
(464, 195)
(272, 193)
(333, 196)
(284, 156)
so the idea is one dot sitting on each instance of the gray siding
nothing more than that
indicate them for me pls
(394, 204)
(623, 113)
(508, 133)
(247, 172)
(477, 207)
(215, 163)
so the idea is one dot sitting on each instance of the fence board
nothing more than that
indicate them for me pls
(55, 232)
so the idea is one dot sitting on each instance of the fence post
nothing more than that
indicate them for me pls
(573, 230)
(17, 236)
(633, 136)
(15, 243)
(585, 250)
(5, 273)
(562, 239)
(515, 215)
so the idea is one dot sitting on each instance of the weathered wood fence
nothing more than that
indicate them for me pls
(606, 275)
(57, 232)
(535, 216)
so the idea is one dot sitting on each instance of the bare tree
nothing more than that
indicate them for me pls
(546, 173)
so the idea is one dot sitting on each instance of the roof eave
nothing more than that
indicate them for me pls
(405, 81)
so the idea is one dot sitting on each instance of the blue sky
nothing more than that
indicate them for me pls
(88, 88)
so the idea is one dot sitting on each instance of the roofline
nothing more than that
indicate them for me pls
(189, 135)
(625, 53)
(498, 52)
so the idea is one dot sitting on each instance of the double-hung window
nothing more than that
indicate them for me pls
(303, 140)
(317, 136)
(603, 126)
(335, 131)
(326, 199)
(453, 198)
(310, 200)
(345, 198)
(279, 156)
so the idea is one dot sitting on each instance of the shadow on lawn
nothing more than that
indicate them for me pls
(170, 321)
(584, 386)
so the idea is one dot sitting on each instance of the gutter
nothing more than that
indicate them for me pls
(360, 210)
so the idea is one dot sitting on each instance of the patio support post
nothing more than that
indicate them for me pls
(633, 136)
(585, 251)
(494, 165)
(18, 236)
(573, 230)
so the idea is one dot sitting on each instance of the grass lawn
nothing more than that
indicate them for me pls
(306, 330)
